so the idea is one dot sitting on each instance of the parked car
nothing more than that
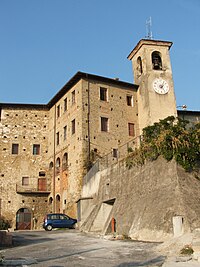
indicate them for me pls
(58, 220)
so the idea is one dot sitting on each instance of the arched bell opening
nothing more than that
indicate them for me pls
(156, 60)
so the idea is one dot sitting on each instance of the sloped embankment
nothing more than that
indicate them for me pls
(144, 200)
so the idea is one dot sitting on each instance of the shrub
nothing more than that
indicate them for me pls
(4, 224)
(173, 139)
(187, 250)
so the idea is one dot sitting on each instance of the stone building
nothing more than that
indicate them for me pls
(24, 187)
(46, 150)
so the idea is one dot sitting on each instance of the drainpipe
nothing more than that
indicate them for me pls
(54, 161)
(88, 121)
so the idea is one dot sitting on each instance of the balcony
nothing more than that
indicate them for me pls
(39, 186)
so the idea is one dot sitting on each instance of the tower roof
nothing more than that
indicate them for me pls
(148, 42)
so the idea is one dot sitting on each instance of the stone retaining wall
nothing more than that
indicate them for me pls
(5, 238)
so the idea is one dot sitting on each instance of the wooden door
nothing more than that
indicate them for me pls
(23, 219)
(42, 185)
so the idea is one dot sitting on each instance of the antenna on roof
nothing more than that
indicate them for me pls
(149, 34)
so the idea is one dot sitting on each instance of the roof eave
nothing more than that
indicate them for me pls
(148, 42)
(82, 75)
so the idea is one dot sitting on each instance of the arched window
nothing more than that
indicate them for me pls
(57, 203)
(50, 200)
(65, 161)
(57, 165)
(156, 60)
(51, 165)
(139, 65)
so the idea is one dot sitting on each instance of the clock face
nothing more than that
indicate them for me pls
(160, 86)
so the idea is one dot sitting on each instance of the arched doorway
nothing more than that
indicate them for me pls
(57, 203)
(23, 219)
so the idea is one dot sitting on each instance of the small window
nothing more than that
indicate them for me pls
(58, 111)
(65, 104)
(65, 132)
(73, 97)
(42, 174)
(36, 149)
(57, 138)
(129, 100)
(131, 129)
(104, 124)
(103, 94)
(15, 149)
(25, 180)
(73, 127)
(115, 152)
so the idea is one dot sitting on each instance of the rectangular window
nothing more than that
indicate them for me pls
(36, 149)
(129, 100)
(25, 180)
(73, 97)
(65, 132)
(115, 153)
(65, 104)
(15, 149)
(57, 138)
(104, 124)
(131, 129)
(73, 127)
(103, 94)
(58, 111)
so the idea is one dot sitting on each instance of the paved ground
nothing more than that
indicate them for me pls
(71, 248)
(60, 248)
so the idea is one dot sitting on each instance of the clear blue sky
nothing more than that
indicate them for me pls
(45, 42)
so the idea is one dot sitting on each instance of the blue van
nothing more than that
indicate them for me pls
(58, 220)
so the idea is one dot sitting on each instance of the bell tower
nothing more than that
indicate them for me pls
(152, 72)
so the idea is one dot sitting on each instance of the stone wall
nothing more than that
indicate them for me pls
(5, 238)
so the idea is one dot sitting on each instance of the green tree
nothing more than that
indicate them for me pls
(171, 138)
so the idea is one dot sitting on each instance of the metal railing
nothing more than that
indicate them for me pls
(110, 158)
(123, 151)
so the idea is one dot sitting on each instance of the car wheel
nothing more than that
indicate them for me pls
(74, 226)
(48, 227)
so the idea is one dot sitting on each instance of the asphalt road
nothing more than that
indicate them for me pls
(60, 248)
